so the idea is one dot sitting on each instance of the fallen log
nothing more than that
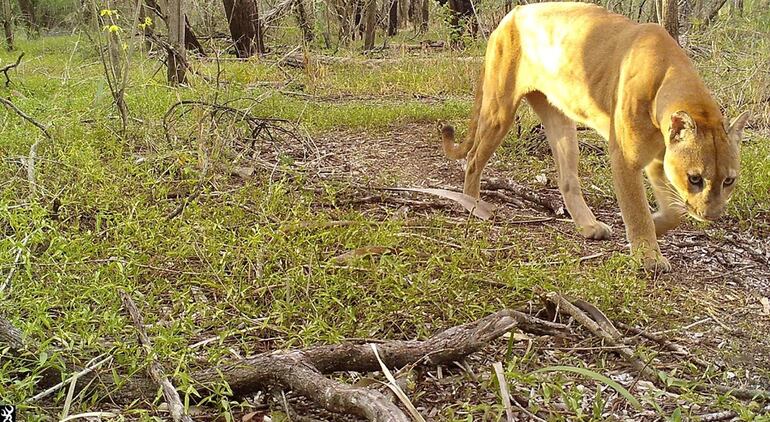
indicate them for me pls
(303, 371)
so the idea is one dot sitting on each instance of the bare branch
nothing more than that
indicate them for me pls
(175, 405)
(6, 68)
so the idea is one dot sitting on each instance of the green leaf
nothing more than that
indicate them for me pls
(596, 377)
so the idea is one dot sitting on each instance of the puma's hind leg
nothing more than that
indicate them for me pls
(495, 118)
(562, 137)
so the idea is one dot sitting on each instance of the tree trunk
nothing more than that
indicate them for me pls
(344, 15)
(358, 20)
(146, 27)
(245, 27)
(424, 15)
(714, 12)
(28, 14)
(190, 40)
(8, 24)
(460, 15)
(176, 35)
(403, 12)
(302, 20)
(370, 24)
(670, 15)
(738, 7)
(393, 18)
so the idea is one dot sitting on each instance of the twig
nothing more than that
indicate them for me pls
(654, 376)
(8, 67)
(175, 406)
(19, 251)
(26, 116)
(504, 394)
(592, 326)
(553, 205)
(667, 344)
(717, 416)
(29, 161)
(89, 415)
(87, 370)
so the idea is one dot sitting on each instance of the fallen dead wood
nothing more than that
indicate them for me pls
(303, 370)
(554, 205)
(175, 406)
(659, 378)
(8, 67)
(29, 162)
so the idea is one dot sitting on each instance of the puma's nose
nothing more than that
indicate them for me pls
(713, 214)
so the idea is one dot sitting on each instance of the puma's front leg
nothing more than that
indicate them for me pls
(670, 209)
(640, 229)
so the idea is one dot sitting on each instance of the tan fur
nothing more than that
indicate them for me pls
(633, 84)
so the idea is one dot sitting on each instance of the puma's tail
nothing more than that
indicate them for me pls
(459, 151)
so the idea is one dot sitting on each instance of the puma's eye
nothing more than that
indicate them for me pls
(695, 179)
(728, 181)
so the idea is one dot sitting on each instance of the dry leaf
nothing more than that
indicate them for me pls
(479, 208)
(255, 417)
(765, 305)
(361, 252)
(244, 172)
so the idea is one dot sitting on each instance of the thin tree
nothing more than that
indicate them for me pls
(370, 22)
(29, 15)
(393, 18)
(176, 60)
(191, 42)
(424, 16)
(8, 24)
(670, 18)
(245, 27)
(302, 20)
(738, 7)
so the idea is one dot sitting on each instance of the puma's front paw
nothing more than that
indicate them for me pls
(656, 263)
(664, 222)
(598, 231)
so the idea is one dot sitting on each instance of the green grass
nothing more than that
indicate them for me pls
(241, 255)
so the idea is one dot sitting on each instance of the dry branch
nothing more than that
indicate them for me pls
(30, 160)
(303, 370)
(448, 346)
(6, 68)
(652, 375)
(10, 336)
(26, 116)
(154, 369)
(568, 308)
(554, 205)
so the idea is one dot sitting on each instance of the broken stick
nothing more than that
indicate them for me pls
(652, 375)
(554, 205)
(154, 369)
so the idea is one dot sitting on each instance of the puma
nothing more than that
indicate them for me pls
(632, 83)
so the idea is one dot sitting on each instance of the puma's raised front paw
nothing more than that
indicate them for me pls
(598, 231)
(664, 222)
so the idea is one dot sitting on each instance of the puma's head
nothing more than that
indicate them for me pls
(703, 164)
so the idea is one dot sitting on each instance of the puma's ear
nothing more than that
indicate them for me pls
(735, 131)
(680, 122)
